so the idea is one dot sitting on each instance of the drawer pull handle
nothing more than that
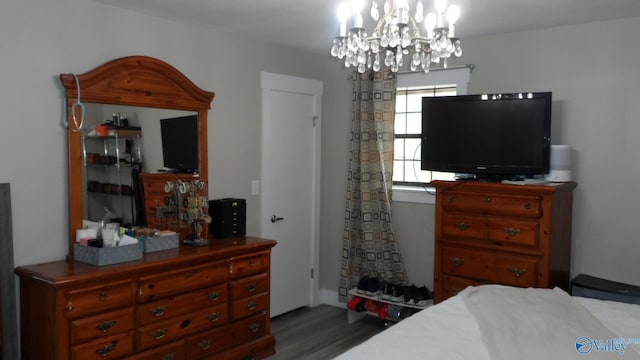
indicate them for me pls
(254, 327)
(214, 296)
(527, 206)
(455, 291)
(159, 334)
(517, 272)
(214, 317)
(204, 345)
(252, 262)
(456, 261)
(252, 305)
(251, 287)
(106, 326)
(171, 356)
(106, 350)
(489, 199)
(462, 226)
(158, 311)
(511, 232)
(103, 295)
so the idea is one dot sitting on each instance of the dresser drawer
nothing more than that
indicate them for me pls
(89, 300)
(452, 285)
(490, 267)
(175, 282)
(494, 204)
(113, 347)
(465, 226)
(171, 306)
(172, 351)
(169, 330)
(101, 325)
(209, 343)
(513, 232)
(250, 306)
(244, 266)
(250, 286)
(250, 329)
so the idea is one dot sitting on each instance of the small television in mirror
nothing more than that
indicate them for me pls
(180, 144)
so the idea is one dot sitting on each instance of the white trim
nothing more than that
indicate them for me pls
(414, 194)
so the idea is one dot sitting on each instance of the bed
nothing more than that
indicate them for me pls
(495, 322)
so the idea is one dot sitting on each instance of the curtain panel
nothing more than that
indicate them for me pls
(370, 247)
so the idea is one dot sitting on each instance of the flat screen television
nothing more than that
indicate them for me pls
(501, 136)
(180, 144)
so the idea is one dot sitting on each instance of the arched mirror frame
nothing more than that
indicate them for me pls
(129, 81)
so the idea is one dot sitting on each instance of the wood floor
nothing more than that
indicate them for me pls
(319, 333)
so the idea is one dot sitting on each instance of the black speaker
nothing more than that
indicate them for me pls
(228, 217)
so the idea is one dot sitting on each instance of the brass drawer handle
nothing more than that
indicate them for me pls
(159, 334)
(252, 305)
(254, 327)
(204, 345)
(103, 295)
(214, 317)
(252, 262)
(251, 287)
(171, 356)
(106, 326)
(214, 296)
(105, 351)
(158, 311)
(462, 226)
(456, 261)
(517, 272)
(511, 232)
(489, 199)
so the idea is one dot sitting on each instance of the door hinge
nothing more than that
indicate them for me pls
(312, 273)
(315, 117)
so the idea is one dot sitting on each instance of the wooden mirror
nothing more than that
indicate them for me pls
(130, 81)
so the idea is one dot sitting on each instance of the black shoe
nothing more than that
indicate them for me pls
(363, 285)
(374, 287)
(387, 290)
(422, 296)
(397, 293)
(410, 294)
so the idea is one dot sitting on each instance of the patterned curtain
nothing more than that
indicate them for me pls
(369, 244)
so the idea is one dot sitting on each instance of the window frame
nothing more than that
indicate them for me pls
(458, 76)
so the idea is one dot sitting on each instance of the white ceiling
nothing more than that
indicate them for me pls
(312, 24)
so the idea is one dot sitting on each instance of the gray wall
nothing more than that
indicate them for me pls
(594, 74)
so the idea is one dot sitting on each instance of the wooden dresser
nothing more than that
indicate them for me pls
(517, 235)
(186, 303)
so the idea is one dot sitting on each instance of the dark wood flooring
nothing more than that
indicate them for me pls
(319, 333)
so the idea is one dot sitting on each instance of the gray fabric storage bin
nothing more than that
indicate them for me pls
(159, 243)
(108, 255)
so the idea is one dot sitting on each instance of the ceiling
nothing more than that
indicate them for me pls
(312, 24)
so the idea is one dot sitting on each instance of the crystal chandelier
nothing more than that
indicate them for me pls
(397, 33)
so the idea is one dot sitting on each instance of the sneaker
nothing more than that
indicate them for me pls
(363, 285)
(360, 305)
(397, 293)
(410, 294)
(387, 291)
(382, 311)
(371, 306)
(351, 305)
(422, 296)
(374, 287)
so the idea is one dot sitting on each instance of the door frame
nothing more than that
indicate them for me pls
(292, 84)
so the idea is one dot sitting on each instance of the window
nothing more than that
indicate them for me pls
(409, 181)
(407, 132)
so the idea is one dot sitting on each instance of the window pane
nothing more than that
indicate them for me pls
(414, 102)
(401, 102)
(414, 123)
(398, 170)
(398, 149)
(400, 124)
(412, 149)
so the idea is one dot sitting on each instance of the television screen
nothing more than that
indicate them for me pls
(180, 143)
(502, 136)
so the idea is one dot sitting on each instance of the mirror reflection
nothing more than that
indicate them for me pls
(120, 143)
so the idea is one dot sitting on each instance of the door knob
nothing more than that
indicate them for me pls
(276, 219)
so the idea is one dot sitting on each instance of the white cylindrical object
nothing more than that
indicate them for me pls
(560, 164)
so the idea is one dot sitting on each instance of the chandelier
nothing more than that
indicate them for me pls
(398, 33)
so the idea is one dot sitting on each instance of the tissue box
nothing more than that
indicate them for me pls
(159, 243)
(106, 256)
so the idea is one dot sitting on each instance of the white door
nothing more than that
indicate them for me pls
(290, 208)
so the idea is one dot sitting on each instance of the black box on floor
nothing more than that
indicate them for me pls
(228, 217)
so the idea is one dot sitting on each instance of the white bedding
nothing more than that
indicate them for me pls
(450, 331)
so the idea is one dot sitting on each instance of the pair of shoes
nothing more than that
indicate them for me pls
(417, 296)
(369, 286)
(392, 292)
(356, 304)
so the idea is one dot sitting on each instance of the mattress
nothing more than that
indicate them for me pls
(450, 330)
